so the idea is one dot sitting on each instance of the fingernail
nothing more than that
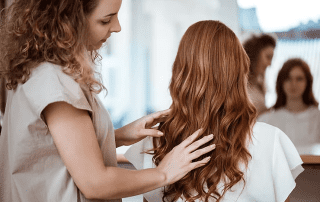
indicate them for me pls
(160, 133)
(213, 146)
(210, 136)
(207, 158)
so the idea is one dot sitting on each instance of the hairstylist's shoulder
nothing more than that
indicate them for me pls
(45, 71)
(48, 84)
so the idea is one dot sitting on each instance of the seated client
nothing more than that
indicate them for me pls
(252, 161)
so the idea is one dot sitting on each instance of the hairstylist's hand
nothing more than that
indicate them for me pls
(178, 162)
(141, 128)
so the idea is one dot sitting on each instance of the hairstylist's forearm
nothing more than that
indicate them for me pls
(119, 137)
(116, 183)
(73, 134)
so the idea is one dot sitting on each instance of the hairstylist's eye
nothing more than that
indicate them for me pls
(105, 22)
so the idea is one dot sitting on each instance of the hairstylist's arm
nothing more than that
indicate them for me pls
(141, 128)
(73, 133)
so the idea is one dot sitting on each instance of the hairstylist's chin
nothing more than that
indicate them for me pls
(93, 48)
(89, 48)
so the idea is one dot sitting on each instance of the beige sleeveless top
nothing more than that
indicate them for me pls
(31, 168)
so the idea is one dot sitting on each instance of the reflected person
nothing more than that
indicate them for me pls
(296, 109)
(260, 50)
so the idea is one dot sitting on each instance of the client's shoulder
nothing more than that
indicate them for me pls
(265, 133)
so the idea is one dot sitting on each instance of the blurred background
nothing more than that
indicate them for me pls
(136, 65)
(137, 62)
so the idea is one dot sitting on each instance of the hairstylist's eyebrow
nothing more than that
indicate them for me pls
(111, 14)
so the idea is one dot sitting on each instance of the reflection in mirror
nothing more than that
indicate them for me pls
(297, 29)
(296, 25)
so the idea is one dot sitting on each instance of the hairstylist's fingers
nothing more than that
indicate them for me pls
(163, 112)
(157, 117)
(200, 142)
(190, 139)
(160, 114)
(150, 122)
(199, 163)
(151, 132)
(202, 151)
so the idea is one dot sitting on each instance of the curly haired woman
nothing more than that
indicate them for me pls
(252, 161)
(260, 51)
(57, 142)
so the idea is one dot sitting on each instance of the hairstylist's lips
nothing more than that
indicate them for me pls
(104, 40)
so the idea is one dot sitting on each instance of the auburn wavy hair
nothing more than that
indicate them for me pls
(36, 31)
(209, 91)
(284, 73)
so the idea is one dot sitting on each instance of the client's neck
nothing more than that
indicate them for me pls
(296, 105)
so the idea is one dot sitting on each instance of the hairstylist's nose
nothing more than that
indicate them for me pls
(117, 26)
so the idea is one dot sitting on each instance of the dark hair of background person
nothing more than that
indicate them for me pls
(253, 47)
(283, 75)
(46, 31)
(209, 91)
(3, 94)
(2, 4)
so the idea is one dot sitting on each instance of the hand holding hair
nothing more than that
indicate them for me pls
(141, 128)
(178, 162)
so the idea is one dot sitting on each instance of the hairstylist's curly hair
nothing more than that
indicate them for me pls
(209, 91)
(253, 47)
(35, 31)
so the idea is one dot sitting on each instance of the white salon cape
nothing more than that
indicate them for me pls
(270, 176)
(31, 169)
(302, 128)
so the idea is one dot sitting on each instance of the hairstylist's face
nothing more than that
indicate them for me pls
(102, 22)
(295, 85)
(265, 58)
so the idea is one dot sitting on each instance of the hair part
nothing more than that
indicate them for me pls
(36, 31)
(307, 97)
(209, 91)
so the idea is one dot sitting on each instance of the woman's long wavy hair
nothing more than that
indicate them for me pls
(209, 91)
(307, 96)
(35, 31)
